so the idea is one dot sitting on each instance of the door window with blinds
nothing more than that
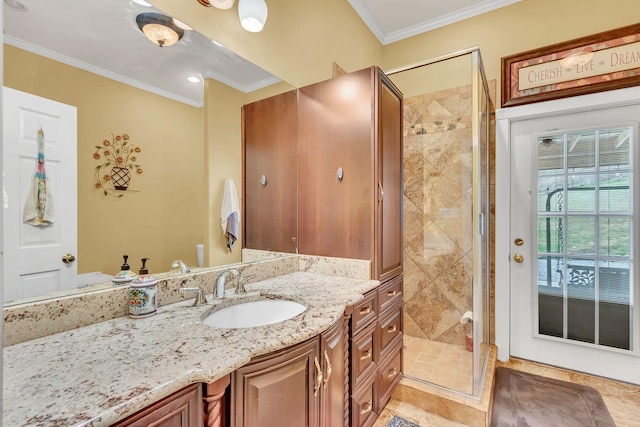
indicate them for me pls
(585, 226)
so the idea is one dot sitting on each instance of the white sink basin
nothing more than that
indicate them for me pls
(254, 313)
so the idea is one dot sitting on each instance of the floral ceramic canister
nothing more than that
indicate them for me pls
(143, 293)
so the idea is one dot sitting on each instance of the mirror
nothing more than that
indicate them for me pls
(163, 214)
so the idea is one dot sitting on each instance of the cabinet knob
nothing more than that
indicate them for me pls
(263, 181)
(366, 355)
(392, 372)
(366, 408)
(340, 174)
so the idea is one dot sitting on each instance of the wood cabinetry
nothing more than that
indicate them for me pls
(337, 146)
(375, 351)
(270, 151)
(299, 386)
(181, 409)
(350, 170)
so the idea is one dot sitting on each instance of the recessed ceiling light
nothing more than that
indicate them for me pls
(15, 5)
(142, 3)
(181, 24)
(193, 79)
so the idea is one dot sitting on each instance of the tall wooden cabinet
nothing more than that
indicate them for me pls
(337, 146)
(270, 173)
(350, 170)
(347, 158)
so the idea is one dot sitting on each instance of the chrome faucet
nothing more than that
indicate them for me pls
(201, 299)
(184, 269)
(218, 290)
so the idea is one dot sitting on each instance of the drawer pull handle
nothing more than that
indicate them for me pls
(367, 408)
(366, 355)
(391, 293)
(392, 329)
(392, 372)
(318, 376)
(329, 368)
(365, 310)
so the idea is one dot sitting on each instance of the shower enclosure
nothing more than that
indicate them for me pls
(446, 224)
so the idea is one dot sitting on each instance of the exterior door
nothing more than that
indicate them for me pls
(574, 234)
(40, 206)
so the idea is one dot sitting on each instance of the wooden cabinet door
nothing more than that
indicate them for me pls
(279, 390)
(335, 133)
(269, 151)
(388, 238)
(335, 392)
(181, 409)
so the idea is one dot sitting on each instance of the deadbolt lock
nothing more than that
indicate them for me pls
(519, 242)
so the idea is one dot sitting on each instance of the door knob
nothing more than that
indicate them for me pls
(68, 258)
(518, 258)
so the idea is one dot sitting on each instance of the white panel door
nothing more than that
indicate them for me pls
(574, 236)
(33, 254)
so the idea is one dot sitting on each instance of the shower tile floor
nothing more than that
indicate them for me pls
(446, 365)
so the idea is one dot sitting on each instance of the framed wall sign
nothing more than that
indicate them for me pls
(603, 61)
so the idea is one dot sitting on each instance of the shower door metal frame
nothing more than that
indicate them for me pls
(481, 276)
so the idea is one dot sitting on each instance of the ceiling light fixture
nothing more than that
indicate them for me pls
(142, 3)
(220, 4)
(253, 14)
(193, 79)
(160, 29)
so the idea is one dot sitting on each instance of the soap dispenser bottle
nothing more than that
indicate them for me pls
(143, 293)
(126, 275)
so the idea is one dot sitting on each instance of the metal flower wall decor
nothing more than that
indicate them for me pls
(119, 157)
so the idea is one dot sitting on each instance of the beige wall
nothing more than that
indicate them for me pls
(299, 44)
(302, 38)
(523, 26)
(151, 220)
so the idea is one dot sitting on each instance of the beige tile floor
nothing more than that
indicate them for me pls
(622, 399)
(413, 414)
(447, 365)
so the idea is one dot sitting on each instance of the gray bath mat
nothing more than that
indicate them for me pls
(526, 400)
(396, 421)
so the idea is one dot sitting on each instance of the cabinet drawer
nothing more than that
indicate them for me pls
(363, 404)
(390, 294)
(389, 374)
(362, 355)
(389, 327)
(364, 311)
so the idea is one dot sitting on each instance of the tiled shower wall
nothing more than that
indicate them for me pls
(437, 213)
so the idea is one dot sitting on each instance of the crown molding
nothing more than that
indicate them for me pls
(73, 62)
(431, 24)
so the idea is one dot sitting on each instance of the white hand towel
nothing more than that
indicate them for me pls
(230, 213)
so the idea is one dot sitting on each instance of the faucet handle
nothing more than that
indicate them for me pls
(240, 288)
(179, 264)
(201, 299)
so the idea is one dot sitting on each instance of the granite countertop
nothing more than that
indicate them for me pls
(99, 374)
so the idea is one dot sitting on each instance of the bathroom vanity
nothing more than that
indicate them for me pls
(173, 369)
